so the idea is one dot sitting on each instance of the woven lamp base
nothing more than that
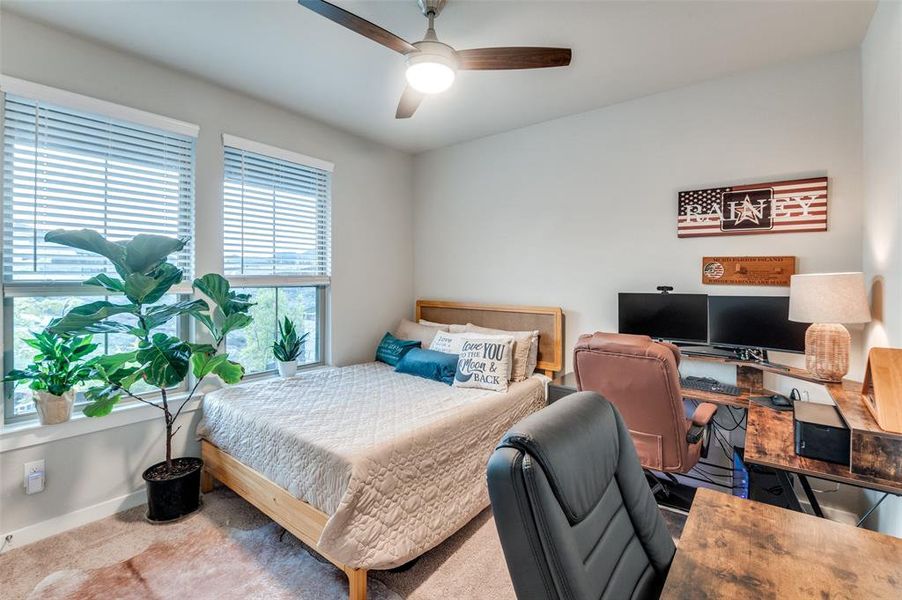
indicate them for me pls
(827, 351)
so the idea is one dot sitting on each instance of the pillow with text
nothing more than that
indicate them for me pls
(484, 363)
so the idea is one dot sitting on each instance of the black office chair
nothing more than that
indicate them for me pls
(574, 512)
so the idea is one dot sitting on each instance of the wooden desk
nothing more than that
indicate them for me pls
(769, 441)
(784, 370)
(735, 548)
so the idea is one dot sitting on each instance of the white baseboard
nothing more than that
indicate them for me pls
(77, 518)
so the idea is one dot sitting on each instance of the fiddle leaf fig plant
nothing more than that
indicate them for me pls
(159, 359)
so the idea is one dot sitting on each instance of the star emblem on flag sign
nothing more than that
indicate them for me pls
(747, 212)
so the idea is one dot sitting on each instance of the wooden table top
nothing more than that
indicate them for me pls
(735, 548)
(769, 441)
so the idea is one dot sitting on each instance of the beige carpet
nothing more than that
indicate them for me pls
(228, 551)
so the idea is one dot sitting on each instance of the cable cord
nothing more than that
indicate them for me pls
(708, 481)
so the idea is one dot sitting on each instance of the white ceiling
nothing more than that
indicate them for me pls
(283, 53)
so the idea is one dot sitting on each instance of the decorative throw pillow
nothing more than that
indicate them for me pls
(429, 364)
(484, 363)
(391, 349)
(525, 351)
(450, 343)
(408, 330)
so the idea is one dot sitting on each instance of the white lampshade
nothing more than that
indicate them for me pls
(828, 298)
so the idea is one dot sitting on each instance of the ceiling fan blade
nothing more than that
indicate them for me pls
(358, 25)
(410, 100)
(484, 59)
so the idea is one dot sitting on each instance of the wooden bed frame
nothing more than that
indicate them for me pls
(306, 522)
(548, 320)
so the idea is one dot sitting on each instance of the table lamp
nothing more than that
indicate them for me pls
(827, 300)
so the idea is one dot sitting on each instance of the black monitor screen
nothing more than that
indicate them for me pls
(678, 317)
(755, 322)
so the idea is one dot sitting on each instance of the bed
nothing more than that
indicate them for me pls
(370, 467)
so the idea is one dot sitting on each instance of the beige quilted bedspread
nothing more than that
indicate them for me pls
(397, 461)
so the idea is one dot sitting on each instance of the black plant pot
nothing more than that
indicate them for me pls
(173, 496)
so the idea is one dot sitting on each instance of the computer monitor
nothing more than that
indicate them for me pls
(754, 322)
(675, 317)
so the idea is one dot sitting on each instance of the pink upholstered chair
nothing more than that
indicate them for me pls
(641, 378)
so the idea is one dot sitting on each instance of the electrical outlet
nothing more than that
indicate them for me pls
(34, 477)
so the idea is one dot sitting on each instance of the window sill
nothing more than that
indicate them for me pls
(274, 373)
(16, 436)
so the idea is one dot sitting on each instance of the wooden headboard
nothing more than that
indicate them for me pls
(548, 320)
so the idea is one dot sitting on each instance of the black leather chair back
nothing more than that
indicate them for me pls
(574, 512)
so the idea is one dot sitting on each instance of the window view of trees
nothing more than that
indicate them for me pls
(30, 314)
(252, 346)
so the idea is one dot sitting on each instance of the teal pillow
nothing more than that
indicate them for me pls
(391, 349)
(430, 364)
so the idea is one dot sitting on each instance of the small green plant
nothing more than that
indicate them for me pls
(289, 344)
(60, 364)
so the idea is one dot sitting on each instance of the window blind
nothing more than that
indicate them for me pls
(67, 169)
(277, 216)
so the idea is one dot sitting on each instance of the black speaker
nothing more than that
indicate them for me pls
(820, 432)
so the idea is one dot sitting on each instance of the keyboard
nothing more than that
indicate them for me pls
(707, 384)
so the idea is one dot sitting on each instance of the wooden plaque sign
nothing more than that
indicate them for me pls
(773, 207)
(748, 270)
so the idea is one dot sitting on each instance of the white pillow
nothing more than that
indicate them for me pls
(450, 343)
(452, 327)
(433, 324)
(526, 349)
(408, 330)
(484, 362)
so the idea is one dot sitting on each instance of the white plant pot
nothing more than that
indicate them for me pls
(53, 409)
(288, 368)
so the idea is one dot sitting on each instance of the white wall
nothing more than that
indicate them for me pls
(571, 211)
(372, 249)
(881, 60)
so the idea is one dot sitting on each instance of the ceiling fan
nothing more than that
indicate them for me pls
(431, 64)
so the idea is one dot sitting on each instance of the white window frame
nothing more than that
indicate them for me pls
(321, 282)
(43, 93)
(11, 290)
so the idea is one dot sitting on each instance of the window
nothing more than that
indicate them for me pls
(276, 215)
(276, 245)
(32, 313)
(252, 347)
(74, 162)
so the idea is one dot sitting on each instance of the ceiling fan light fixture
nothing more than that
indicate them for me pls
(432, 69)
(430, 77)
(432, 65)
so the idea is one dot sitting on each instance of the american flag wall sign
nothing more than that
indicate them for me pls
(777, 207)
